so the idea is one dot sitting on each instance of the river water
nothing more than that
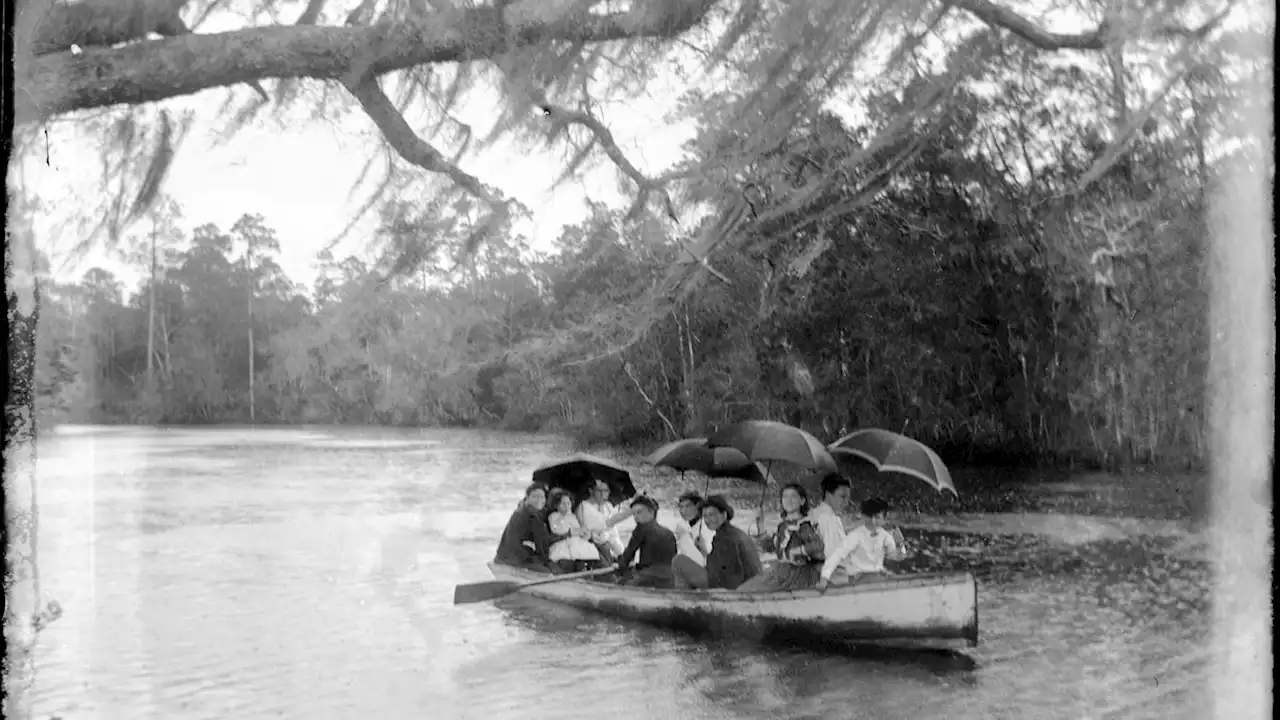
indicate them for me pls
(308, 573)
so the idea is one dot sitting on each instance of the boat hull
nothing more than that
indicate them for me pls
(929, 610)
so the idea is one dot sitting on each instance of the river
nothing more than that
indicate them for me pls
(308, 573)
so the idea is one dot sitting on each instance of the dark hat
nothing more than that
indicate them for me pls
(692, 497)
(646, 501)
(720, 503)
(874, 506)
(832, 482)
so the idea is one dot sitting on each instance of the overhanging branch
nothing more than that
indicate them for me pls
(156, 70)
(1096, 39)
(406, 142)
(1002, 17)
(562, 117)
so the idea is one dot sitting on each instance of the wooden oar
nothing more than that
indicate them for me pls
(479, 592)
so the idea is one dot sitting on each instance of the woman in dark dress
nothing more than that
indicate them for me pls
(734, 558)
(652, 546)
(798, 545)
(526, 541)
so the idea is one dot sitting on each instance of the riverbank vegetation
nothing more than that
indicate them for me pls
(996, 246)
(970, 302)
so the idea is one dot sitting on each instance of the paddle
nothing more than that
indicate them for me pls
(479, 592)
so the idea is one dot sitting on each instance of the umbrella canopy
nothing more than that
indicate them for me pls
(693, 454)
(576, 473)
(892, 452)
(767, 440)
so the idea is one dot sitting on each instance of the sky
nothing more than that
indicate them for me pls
(300, 177)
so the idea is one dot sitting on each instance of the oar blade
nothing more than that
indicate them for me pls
(479, 592)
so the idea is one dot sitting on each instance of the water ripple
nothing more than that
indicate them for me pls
(309, 573)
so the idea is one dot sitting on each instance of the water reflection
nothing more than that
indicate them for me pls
(287, 573)
(742, 678)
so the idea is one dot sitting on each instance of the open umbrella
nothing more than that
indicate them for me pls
(693, 454)
(769, 441)
(892, 452)
(576, 472)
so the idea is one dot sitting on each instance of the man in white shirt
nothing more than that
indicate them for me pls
(866, 547)
(826, 515)
(599, 516)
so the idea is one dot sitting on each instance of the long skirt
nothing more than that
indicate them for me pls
(784, 576)
(527, 560)
(536, 564)
(606, 552)
(688, 574)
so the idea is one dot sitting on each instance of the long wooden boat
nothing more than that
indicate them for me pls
(927, 610)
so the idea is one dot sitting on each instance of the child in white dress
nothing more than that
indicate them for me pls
(573, 550)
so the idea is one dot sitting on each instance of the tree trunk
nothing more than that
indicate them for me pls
(1120, 97)
(692, 413)
(248, 262)
(151, 323)
(252, 419)
(168, 362)
(1201, 127)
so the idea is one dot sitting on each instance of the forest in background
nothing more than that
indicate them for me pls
(978, 299)
(1001, 249)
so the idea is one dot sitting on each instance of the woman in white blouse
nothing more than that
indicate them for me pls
(600, 517)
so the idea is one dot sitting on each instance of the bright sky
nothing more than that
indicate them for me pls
(300, 179)
(299, 176)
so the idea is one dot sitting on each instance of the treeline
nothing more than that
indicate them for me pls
(982, 301)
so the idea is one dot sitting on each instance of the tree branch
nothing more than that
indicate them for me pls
(562, 117)
(1096, 39)
(1002, 17)
(1127, 133)
(406, 142)
(626, 368)
(160, 69)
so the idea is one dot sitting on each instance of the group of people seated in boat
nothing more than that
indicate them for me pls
(548, 534)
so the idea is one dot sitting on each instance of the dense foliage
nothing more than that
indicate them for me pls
(1001, 246)
(982, 307)
(1002, 253)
